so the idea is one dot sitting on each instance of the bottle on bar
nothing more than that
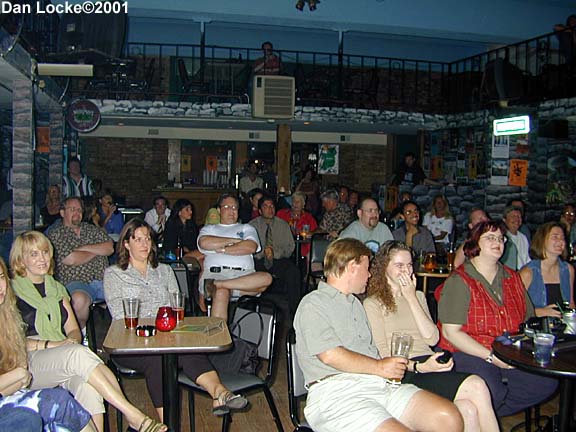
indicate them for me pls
(179, 250)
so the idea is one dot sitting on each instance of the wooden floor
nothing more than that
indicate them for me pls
(258, 417)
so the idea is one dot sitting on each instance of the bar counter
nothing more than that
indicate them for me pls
(202, 198)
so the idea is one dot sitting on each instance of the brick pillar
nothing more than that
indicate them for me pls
(22, 157)
(55, 158)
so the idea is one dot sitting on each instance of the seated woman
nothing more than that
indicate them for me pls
(110, 218)
(51, 211)
(55, 407)
(548, 278)
(394, 305)
(249, 207)
(567, 218)
(440, 223)
(55, 355)
(181, 230)
(297, 217)
(478, 302)
(138, 274)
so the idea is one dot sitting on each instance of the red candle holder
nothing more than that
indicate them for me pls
(166, 319)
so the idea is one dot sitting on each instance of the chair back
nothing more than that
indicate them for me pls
(183, 73)
(185, 284)
(318, 248)
(296, 383)
(255, 321)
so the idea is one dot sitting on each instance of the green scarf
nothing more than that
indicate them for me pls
(48, 322)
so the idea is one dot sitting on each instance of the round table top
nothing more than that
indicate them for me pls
(563, 364)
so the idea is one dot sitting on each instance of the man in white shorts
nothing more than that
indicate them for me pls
(229, 266)
(349, 387)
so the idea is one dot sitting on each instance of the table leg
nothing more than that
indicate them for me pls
(566, 386)
(170, 392)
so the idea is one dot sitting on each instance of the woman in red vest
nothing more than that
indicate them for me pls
(481, 300)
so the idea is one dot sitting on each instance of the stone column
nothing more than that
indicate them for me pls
(284, 146)
(22, 157)
(55, 158)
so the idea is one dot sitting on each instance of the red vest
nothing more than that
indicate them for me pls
(486, 318)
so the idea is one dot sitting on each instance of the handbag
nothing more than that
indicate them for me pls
(243, 357)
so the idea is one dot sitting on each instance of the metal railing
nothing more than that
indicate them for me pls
(523, 73)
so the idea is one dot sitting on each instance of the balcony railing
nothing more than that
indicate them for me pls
(522, 73)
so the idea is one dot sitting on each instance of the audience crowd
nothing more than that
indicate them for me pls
(259, 243)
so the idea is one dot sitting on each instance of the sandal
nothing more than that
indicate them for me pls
(228, 401)
(151, 425)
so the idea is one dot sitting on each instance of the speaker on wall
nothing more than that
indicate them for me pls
(103, 32)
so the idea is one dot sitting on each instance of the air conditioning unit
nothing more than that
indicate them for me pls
(273, 97)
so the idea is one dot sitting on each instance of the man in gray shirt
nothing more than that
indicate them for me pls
(349, 387)
(368, 228)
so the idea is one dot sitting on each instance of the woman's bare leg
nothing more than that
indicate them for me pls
(475, 390)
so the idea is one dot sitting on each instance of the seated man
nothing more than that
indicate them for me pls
(368, 228)
(81, 250)
(337, 216)
(229, 266)
(516, 252)
(157, 216)
(278, 243)
(415, 236)
(349, 387)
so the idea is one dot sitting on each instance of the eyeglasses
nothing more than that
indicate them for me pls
(409, 212)
(495, 239)
(567, 213)
(73, 209)
(372, 210)
(229, 207)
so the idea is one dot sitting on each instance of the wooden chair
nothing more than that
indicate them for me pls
(296, 385)
(252, 329)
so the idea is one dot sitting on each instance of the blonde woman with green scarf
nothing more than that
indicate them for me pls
(55, 355)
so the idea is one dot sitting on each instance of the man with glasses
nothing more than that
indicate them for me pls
(368, 228)
(278, 246)
(417, 237)
(229, 267)
(81, 250)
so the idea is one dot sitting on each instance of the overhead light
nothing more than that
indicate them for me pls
(511, 126)
(59, 69)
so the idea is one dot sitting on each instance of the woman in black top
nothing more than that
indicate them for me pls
(181, 230)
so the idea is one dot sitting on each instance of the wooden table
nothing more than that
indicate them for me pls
(424, 275)
(562, 366)
(120, 341)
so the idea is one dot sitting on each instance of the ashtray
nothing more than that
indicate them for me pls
(145, 330)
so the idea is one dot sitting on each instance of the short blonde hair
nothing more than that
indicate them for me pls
(23, 243)
(341, 252)
(299, 196)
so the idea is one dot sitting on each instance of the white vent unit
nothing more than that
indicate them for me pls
(273, 97)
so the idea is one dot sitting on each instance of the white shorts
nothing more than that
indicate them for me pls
(224, 274)
(355, 402)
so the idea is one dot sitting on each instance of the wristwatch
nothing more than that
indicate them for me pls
(490, 358)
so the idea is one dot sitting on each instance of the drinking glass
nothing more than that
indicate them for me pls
(177, 303)
(543, 344)
(305, 231)
(131, 308)
(430, 262)
(400, 347)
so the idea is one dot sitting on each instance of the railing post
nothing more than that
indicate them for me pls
(340, 64)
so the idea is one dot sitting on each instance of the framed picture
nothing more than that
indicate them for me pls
(328, 158)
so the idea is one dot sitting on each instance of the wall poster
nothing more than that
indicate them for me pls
(328, 158)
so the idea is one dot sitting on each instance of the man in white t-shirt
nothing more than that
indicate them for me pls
(368, 228)
(229, 266)
(516, 253)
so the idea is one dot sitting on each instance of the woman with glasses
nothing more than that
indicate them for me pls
(55, 354)
(548, 277)
(480, 301)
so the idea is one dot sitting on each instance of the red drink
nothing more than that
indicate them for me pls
(179, 313)
(131, 322)
(451, 256)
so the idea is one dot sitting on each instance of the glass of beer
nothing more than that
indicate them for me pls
(131, 309)
(400, 347)
(177, 303)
